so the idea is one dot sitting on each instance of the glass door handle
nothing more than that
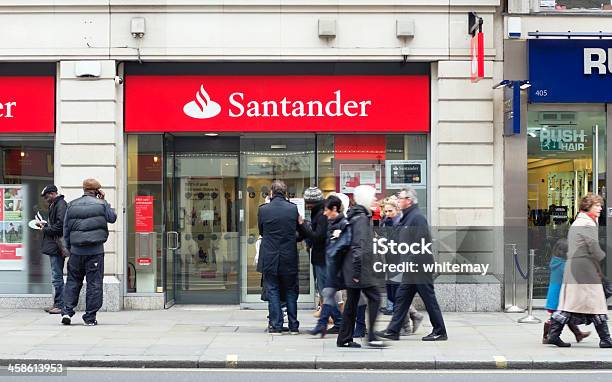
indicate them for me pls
(172, 245)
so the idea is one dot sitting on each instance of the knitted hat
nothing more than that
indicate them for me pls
(91, 184)
(313, 195)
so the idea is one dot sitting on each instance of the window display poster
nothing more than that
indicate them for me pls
(11, 227)
(353, 175)
(403, 173)
(143, 213)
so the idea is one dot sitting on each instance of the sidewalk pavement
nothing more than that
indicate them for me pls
(226, 337)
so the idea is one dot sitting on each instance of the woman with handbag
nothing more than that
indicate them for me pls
(582, 300)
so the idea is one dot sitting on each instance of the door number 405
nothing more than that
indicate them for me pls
(541, 92)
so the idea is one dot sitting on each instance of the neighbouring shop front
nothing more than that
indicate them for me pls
(205, 140)
(27, 127)
(569, 113)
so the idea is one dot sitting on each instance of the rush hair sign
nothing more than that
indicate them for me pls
(27, 104)
(394, 103)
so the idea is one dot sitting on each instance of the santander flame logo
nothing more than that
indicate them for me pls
(202, 107)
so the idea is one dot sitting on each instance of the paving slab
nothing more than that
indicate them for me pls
(226, 337)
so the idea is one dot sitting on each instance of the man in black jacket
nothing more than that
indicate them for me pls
(85, 232)
(414, 228)
(52, 232)
(278, 256)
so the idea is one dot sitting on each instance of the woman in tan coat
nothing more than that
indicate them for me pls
(582, 300)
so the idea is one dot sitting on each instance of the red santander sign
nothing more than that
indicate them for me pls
(27, 104)
(287, 103)
(477, 57)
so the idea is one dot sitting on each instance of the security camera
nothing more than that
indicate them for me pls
(118, 80)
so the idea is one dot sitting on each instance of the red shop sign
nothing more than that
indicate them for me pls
(277, 103)
(27, 104)
(477, 57)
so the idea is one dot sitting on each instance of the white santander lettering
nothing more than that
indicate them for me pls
(595, 59)
(237, 104)
(335, 107)
(8, 107)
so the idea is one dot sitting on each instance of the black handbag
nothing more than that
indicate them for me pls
(607, 286)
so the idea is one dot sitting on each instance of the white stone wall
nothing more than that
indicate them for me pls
(88, 144)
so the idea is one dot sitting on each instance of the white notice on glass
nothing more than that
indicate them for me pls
(299, 202)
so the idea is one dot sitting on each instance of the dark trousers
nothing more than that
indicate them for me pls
(57, 279)
(350, 313)
(90, 268)
(403, 300)
(391, 291)
(288, 284)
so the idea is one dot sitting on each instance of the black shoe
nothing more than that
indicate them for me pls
(333, 330)
(435, 337)
(91, 323)
(285, 329)
(554, 335)
(376, 344)
(388, 335)
(66, 319)
(322, 330)
(385, 311)
(294, 332)
(349, 345)
(605, 342)
(275, 331)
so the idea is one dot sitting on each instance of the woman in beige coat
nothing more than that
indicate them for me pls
(582, 300)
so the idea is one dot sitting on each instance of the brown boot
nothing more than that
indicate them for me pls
(577, 333)
(546, 330)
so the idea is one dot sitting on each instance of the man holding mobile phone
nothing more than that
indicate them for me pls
(85, 232)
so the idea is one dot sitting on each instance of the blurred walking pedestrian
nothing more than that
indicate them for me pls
(557, 267)
(339, 238)
(358, 271)
(415, 229)
(582, 300)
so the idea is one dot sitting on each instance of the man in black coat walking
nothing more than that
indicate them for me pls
(415, 229)
(278, 256)
(52, 232)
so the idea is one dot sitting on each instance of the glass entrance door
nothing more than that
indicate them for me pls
(203, 237)
(265, 158)
(566, 161)
(170, 235)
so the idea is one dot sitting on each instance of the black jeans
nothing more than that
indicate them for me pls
(350, 313)
(277, 285)
(403, 300)
(91, 268)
